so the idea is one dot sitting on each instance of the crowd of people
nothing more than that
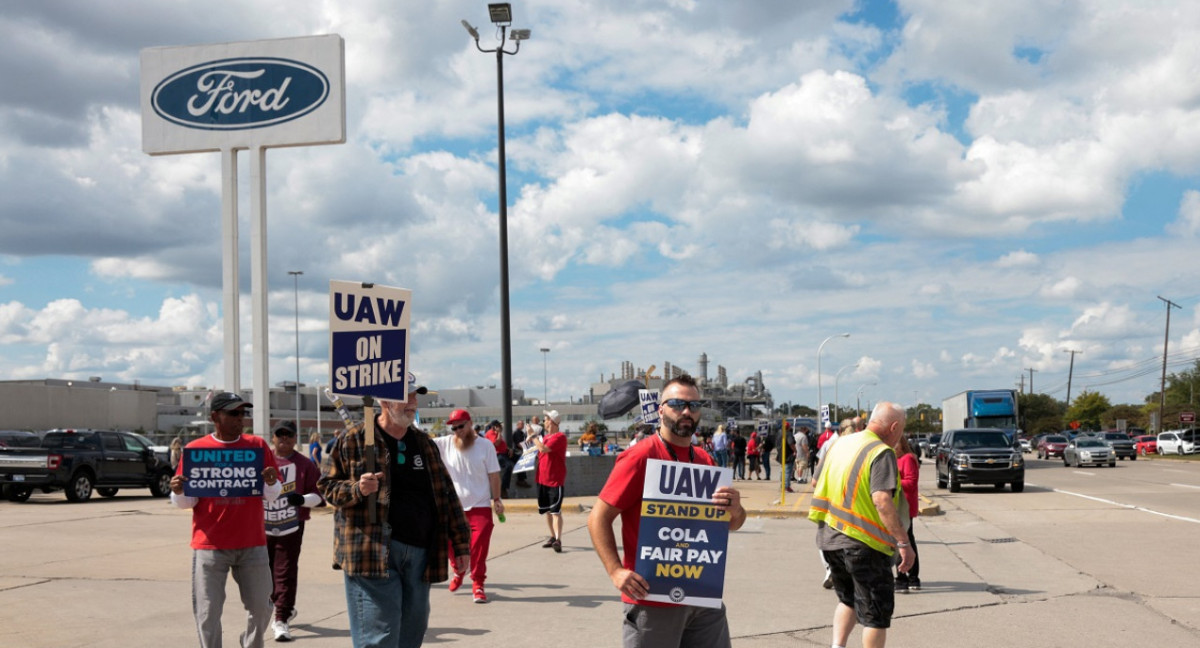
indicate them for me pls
(411, 511)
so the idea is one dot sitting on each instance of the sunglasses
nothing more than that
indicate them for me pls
(458, 427)
(237, 413)
(401, 458)
(679, 404)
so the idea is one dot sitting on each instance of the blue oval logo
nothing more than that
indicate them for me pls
(240, 93)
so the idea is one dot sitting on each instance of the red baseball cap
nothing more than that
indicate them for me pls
(458, 415)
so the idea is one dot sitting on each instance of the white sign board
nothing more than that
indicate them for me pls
(649, 401)
(230, 96)
(368, 339)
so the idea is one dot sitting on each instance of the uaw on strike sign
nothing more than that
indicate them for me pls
(682, 538)
(368, 346)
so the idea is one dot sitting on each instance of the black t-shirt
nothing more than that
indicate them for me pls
(739, 445)
(410, 512)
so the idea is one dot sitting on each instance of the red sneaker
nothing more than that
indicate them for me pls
(480, 596)
(456, 582)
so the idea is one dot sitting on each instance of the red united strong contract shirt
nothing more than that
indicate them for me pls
(229, 522)
(623, 491)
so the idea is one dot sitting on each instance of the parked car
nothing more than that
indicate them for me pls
(78, 461)
(1051, 445)
(1177, 442)
(19, 439)
(979, 456)
(1121, 444)
(1026, 444)
(1146, 444)
(1088, 451)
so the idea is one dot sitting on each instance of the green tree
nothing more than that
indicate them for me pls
(1088, 409)
(1133, 415)
(1040, 413)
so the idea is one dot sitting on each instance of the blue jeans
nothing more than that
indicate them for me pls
(394, 611)
(722, 457)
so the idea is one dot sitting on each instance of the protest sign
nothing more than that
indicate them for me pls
(217, 472)
(682, 538)
(528, 460)
(368, 339)
(282, 518)
(649, 400)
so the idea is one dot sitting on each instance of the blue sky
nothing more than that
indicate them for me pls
(968, 190)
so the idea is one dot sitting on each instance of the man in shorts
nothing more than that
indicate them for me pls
(551, 475)
(859, 530)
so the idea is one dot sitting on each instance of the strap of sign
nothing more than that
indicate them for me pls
(369, 450)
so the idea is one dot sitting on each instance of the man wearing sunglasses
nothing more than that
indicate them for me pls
(228, 533)
(472, 464)
(390, 563)
(648, 623)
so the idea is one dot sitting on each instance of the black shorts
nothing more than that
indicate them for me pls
(550, 499)
(862, 578)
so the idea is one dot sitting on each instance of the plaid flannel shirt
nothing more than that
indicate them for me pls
(361, 548)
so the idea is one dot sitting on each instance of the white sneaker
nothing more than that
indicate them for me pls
(282, 632)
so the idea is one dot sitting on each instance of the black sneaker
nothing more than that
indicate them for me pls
(901, 586)
(548, 543)
(557, 546)
(915, 585)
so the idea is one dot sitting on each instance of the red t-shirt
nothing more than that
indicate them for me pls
(552, 465)
(623, 490)
(230, 522)
(497, 440)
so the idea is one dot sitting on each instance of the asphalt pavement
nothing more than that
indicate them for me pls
(116, 572)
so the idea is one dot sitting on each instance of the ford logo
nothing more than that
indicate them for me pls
(240, 93)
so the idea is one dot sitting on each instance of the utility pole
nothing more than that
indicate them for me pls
(1162, 384)
(1030, 370)
(1070, 373)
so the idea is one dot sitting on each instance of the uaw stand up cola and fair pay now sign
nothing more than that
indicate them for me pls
(682, 539)
(368, 349)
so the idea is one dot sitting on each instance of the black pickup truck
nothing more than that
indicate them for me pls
(978, 456)
(78, 461)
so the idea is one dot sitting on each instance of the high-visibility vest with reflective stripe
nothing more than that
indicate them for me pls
(842, 498)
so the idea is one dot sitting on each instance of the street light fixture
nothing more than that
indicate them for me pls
(296, 286)
(545, 382)
(501, 14)
(836, 377)
(820, 397)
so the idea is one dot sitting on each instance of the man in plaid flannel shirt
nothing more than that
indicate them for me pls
(389, 566)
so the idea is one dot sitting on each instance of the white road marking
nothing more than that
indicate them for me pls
(1123, 505)
(1187, 486)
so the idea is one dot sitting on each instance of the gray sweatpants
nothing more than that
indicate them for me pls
(251, 572)
(685, 626)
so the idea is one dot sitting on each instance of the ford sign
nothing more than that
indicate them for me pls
(240, 93)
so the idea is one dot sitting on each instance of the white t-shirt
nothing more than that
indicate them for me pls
(470, 469)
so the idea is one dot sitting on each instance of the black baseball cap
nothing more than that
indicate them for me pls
(284, 428)
(227, 401)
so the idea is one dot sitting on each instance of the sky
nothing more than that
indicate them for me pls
(970, 190)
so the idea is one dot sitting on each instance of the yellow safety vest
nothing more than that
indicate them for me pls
(842, 498)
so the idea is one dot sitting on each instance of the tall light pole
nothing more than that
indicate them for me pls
(820, 397)
(837, 377)
(296, 285)
(501, 15)
(858, 400)
(545, 383)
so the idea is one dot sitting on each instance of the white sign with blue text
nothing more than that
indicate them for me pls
(682, 537)
(279, 92)
(368, 339)
(649, 401)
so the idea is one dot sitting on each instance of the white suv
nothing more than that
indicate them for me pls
(1177, 442)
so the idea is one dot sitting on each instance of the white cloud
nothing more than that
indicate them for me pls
(1016, 259)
